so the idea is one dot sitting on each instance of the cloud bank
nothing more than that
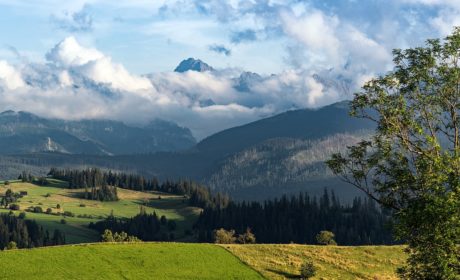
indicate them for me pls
(78, 82)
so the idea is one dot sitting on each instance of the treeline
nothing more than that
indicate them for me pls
(146, 227)
(95, 179)
(26, 233)
(299, 219)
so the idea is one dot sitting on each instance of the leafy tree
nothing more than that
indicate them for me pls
(222, 236)
(412, 163)
(325, 237)
(107, 236)
(247, 238)
(307, 270)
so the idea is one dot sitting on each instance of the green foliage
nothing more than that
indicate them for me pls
(307, 270)
(222, 236)
(325, 237)
(108, 236)
(412, 164)
(11, 246)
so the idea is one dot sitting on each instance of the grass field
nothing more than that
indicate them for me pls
(125, 261)
(332, 262)
(173, 207)
(199, 261)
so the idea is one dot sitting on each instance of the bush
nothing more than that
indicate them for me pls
(7, 183)
(58, 206)
(11, 246)
(14, 207)
(247, 238)
(68, 214)
(63, 221)
(49, 211)
(222, 236)
(82, 205)
(47, 195)
(22, 215)
(37, 209)
(325, 238)
(307, 270)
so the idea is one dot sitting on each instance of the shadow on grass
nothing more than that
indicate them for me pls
(285, 274)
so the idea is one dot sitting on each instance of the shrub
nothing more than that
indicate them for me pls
(82, 205)
(63, 221)
(49, 211)
(14, 207)
(11, 246)
(7, 183)
(222, 236)
(58, 206)
(37, 209)
(47, 195)
(247, 238)
(68, 214)
(307, 270)
(22, 215)
(325, 237)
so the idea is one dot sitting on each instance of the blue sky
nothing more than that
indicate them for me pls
(48, 47)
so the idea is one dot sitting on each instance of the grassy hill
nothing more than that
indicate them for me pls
(86, 211)
(333, 262)
(199, 261)
(125, 261)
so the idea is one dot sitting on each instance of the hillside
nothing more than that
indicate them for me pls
(198, 261)
(85, 211)
(22, 133)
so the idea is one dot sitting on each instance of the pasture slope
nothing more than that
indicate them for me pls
(85, 211)
(198, 261)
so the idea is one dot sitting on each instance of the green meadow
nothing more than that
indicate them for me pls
(86, 211)
(125, 261)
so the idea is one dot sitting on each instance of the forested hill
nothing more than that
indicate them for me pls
(306, 124)
(22, 133)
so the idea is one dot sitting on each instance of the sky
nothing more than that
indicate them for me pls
(115, 59)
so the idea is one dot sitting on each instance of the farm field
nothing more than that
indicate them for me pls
(86, 211)
(125, 261)
(283, 261)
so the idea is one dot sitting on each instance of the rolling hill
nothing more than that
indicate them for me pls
(85, 211)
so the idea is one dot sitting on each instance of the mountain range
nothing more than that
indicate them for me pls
(281, 154)
(22, 132)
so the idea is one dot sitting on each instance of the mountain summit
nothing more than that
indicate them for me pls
(192, 64)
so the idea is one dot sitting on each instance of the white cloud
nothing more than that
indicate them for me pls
(9, 76)
(69, 53)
